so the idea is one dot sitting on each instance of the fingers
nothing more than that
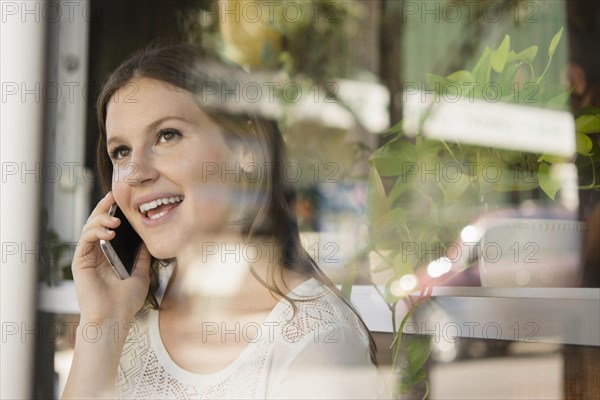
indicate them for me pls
(101, 220)
(88, 253)
(103, 206)
(98, 227)
(100, 215)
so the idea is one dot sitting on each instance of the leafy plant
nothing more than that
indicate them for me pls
(54, 256)
(409, 205)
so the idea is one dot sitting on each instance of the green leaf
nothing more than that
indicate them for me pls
(461, 76)
(584, 144)
(507, 79)
(401, 266)
(559, 101)
(554, 42)
(500, 55)
(428, 150)
(409, 379)
(548, 184)
(384, 261)
(436, 83)
(588, 123)
(482, 64)
(347, 285)
(388, 166)
(550, 158)
(518, 179)
(481, 71)
(432, 211)
(401, 186)
(541, 82)
(396, 128)
(465, 79)
(388, 296)
(376, 200)
(393, 219)
(512, 56)
(394, 158)
(457, 187)
(512, 186)
(417, 352)
(528, 55)
(382, 266)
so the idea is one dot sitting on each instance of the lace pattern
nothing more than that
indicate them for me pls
(142, 374)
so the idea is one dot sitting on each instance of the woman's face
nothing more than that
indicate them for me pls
(173, 173)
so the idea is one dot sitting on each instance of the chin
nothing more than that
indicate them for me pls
(160, 252)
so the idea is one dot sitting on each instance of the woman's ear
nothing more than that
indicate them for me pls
(247, 164)
(577, 79)
(247, 160)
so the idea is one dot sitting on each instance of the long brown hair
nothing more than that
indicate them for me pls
(212, 79)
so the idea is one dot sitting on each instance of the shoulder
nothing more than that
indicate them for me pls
(324, 350)
(320, 320)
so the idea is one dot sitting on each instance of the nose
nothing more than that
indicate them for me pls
(140, 170)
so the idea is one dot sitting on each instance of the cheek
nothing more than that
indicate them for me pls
(119, 189)
(202, 169)
(121, 193)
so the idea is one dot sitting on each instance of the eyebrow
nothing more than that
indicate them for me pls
(151, 127)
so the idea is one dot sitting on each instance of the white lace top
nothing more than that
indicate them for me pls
(321, 351)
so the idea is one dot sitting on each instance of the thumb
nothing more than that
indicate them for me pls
(142, 263)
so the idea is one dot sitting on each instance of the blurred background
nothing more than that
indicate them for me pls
(447, 144)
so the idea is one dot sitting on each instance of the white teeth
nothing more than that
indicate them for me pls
(160, 214)
(155, 203)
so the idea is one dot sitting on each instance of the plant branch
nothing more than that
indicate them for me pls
(449, 151)
(399, 334)
(426, 389)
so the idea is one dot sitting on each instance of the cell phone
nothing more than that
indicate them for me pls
(122, 251)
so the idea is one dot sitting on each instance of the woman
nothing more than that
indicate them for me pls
(223, 301)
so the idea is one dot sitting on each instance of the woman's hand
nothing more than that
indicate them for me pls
(102, 296)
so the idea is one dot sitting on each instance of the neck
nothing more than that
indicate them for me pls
(216, 277)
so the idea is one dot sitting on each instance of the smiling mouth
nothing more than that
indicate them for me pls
(158, 208)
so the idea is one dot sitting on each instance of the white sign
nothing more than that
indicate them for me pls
(500, 125)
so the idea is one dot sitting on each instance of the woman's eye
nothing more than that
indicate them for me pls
(119, 153)
(168, 135)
